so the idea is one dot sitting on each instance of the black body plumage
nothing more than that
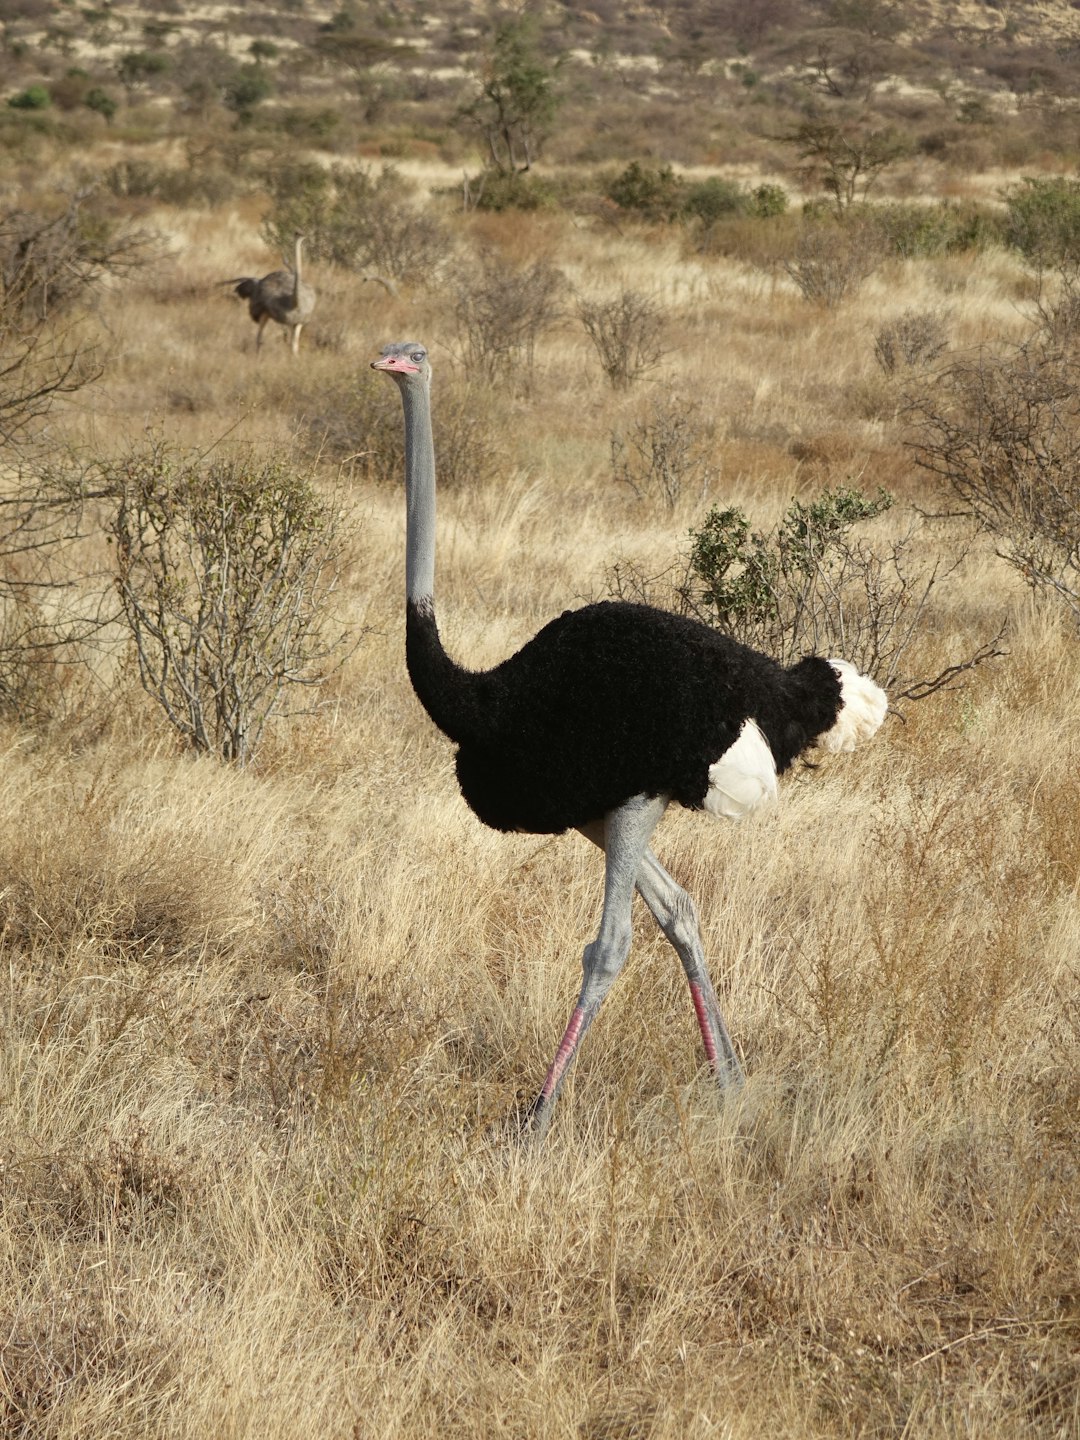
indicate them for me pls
(605, 703)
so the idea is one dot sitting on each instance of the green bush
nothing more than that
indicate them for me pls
(768, 201)
(714, 199)
(101, 102)
(653, 194)
(34, 98)
(809, 586)
(249, 87)
(660, 194)
(923, 230)
(498, 190)
(1044, 220)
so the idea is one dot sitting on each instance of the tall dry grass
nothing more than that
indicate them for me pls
(265, 1031)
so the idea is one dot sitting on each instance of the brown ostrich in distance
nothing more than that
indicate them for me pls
(282, 296)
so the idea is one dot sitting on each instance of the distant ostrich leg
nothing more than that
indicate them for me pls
(599, 722)
(283, 296)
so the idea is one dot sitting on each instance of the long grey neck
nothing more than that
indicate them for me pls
(419, 495)
(296, 270)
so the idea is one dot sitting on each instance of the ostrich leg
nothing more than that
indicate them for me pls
(674, 911)
(626, 834)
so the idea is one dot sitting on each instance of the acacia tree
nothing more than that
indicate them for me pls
(516, 99)
(846, 160)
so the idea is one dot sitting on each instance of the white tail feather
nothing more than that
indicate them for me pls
(863, 705)
(744, 777)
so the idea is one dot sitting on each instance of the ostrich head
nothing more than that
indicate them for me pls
(404, 361)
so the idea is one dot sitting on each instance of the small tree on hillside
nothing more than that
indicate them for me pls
(846, 161)
(516, 100)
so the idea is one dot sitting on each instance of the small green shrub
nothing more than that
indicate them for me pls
(713, 199)
(34, 98)
(943, 229)
(499, 190)
(767, 201)
(101, 102)
(1044, 220)
(249, 87)
(652, 194)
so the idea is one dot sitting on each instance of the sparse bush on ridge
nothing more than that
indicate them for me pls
(1002, 429)
(502, 309)
(625, 332)
(666, 451)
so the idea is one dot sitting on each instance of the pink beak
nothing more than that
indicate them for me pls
(395, 362)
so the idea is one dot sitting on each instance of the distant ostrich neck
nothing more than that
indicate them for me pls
(419, 490)
(296, 270)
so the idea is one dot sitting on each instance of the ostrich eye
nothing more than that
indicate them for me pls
(419, 356)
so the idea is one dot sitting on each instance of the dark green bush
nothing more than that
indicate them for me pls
(714, 199)
(652, 194)
(249, 87)
(942, 229)
(767, 201)
(101, 102)
(497, 191)
(1044, 220)
(34, 98)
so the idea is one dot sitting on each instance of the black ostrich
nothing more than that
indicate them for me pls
(599, 722)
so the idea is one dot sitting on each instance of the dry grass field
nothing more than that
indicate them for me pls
(267, 1028)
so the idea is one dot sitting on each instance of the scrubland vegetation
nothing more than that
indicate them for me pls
(768, 312)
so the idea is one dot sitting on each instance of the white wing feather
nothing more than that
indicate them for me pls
(744, 777)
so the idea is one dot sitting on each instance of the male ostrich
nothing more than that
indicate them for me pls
(599, 722)
(282, 296)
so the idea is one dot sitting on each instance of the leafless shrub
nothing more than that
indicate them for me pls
(1003, 430)
(501, 309)
(1057, 308)
(667, 451)
(49, 266)
(915, 338)
(223, 571)
(626, 333)
(48, 262)
(832, 259)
